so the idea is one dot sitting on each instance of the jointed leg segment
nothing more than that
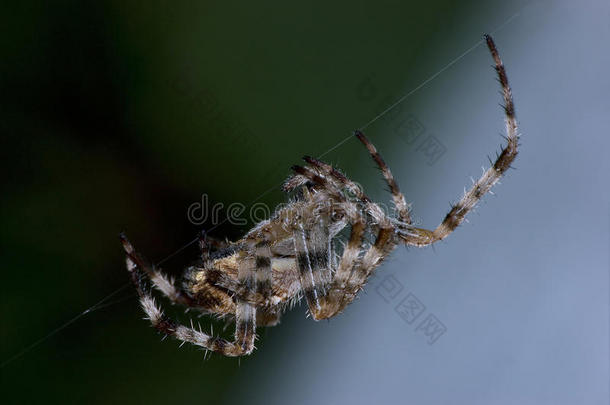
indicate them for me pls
(301, 235)
(399, 199)
(245, 317)
(352, 270)
(422, 237)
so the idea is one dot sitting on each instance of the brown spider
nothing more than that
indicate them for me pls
(293, 254)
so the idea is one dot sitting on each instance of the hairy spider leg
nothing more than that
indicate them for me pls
(245, 317)
(398, 198)
(162, 282)
(356, 270)
(423, 237)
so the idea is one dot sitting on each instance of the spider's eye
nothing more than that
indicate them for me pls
(337, 215)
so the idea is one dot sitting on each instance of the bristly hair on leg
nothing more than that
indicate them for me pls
(294, 255)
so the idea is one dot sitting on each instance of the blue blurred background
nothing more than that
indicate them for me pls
(120, 116)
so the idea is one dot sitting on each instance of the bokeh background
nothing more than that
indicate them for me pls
(121, 115)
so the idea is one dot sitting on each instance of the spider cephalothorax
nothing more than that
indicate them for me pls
(294, 253)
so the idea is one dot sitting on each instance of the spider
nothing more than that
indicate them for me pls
(293, 254)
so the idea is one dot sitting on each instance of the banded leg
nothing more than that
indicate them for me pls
(162, 282)
(398, 198)
(254, 287)
(380, 219)
(255, 273)
(330, 291)
(352, 249)
(312, 250)
(331, 172)
(371, 208)
(245, 317)
(324, 176)
(456, 215)
(263, 279)
(332, 181)
(349, 278)
(338, 289)
(285, 288)
(260, 290)
(360, 270)
(353, 271)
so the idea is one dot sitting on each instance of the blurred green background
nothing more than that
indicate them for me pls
(120, 115)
